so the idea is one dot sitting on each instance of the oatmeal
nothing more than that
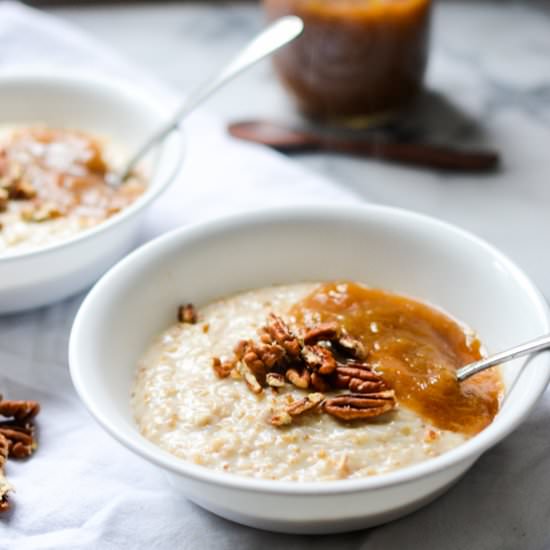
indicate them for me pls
(192, 399)
(53, 186)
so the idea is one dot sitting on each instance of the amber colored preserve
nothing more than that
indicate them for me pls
(416, 348)
(358, 60)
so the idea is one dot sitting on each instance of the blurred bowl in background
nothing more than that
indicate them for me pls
(116, 110)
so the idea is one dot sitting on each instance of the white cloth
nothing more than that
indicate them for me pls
(84, 491)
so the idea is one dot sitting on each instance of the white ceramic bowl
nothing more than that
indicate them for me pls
(382, 247)
(117, 110)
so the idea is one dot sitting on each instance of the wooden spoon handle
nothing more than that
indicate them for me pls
(417, 154)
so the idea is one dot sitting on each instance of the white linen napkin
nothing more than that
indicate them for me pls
(81, 489)
(84, 491)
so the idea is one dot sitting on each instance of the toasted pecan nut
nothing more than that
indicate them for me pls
(265, 338)
(16, 438)
(319, 383)
(356, 385)
(20, 442)
(275, 380)
(351, 346)
(306, 404)
(222, 368)
(339, 381)
(281, 419)
(253, 362)
(300, 380)
(240, 349)
(187, 314)
(21, 190)
(357, 370)
(261, 358)
(249, 378)
(360, 406)
(325, 331)
(282, 335)
(318, 358)
(270, 355)
(21, 411)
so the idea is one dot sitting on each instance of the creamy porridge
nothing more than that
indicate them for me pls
(182, 404)
(53, 186)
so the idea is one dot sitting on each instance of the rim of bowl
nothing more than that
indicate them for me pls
(469, 450)
(121, 87)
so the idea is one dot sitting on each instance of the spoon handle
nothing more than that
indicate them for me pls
(275, 36)
(417, 154)
(539, 344)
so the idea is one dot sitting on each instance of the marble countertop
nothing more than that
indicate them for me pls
(490, 77)
(489, 82)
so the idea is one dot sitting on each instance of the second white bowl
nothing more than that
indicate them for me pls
(109, 108)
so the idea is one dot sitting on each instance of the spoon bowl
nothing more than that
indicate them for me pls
(533, 346)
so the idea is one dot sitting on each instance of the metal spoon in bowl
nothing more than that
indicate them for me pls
(539, 344)
(275, 36)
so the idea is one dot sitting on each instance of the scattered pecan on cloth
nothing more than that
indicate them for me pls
(17, 438)
(5, 487)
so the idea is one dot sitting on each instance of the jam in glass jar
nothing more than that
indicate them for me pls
(358, 60)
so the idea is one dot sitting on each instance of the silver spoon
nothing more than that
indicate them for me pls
(539, 344)
(275, 36)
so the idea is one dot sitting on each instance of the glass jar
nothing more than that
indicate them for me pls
(358, 60)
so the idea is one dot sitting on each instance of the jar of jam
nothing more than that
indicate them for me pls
(358, 60)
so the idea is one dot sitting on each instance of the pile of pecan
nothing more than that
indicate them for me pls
(17, 438)
(321, 360)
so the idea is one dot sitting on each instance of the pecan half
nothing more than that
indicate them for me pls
(16, 438)
(250, 380)
(240, 349)
(320, 359)
(319, 383)
(281, 334)
(357, 385)
(304, 405)
(298, 408)
(187, 314)
(357, 377)
(275, 380)
(270, 355)
(359, 406)
(357, 370)
(325, 331)
(281, 419)
(222, 368)
(252, 360)
(20, 441)
(21, 411)
(339, 381)
(351, 346)
(300, 380)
